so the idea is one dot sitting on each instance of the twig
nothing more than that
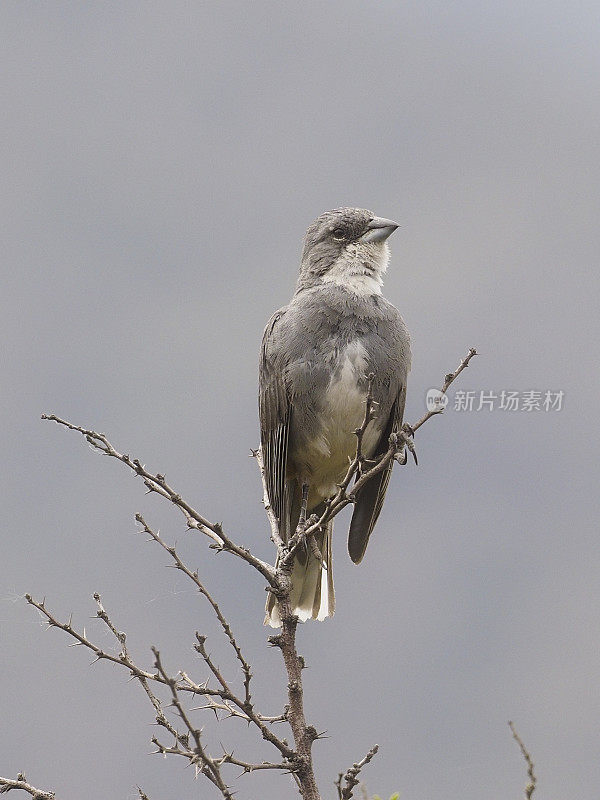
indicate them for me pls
(6, 784)
(193, 576)
(246, 710)
(351, 777)
(448, 380)
(530, 788)
(369, 415)
(146, 678)
(157, 483)
(202, 760)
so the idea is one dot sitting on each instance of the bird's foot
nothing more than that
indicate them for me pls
(406, 444)
(308, 540)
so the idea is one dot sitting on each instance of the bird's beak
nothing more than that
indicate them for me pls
(378, 230)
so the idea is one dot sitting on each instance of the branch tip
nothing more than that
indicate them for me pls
(530, 787)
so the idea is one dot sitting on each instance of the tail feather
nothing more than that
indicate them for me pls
(312, 595)
(366, 512)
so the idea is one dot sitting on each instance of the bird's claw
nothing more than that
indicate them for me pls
(308, 540)
(406, 444)
(408, 429)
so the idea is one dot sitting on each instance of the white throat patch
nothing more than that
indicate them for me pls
(360, 268)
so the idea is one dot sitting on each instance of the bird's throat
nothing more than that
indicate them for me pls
(360, 268)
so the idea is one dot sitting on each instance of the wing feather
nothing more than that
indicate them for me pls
(369, 501)
(275, 415)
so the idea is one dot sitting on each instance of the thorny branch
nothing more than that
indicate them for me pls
(184, 684)
(222, 698)
(350, 779)
(530, 788)
(6, 784)
(193, 576)
(195, 753)
(157, 483)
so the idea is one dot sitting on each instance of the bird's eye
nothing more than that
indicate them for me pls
(339, 233)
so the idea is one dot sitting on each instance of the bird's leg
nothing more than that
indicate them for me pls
(308, 541)
(314, 549)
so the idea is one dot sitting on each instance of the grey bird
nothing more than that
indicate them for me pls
(316, 355)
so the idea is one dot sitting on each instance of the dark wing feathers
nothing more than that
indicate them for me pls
(370, 498)
(275, 445)
(275, 413)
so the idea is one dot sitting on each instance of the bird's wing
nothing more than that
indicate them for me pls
(370, 498)
(275, 413)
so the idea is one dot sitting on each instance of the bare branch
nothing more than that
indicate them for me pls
(351, 777)
(121, 637)
(248, 713)
(448, 380)
(201, 759)
(229, 758)
(146, 678)
(530, 788)
(193, 576)
(21, 782)
(196, 755)
(157, 483)
(304, 735)
(122, 659)
(244, 708)
(370, 414)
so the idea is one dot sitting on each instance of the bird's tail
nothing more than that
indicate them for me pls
(312, 595)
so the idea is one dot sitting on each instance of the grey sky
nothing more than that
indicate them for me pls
(160, 164)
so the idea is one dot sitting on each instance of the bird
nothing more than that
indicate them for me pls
(318, 355)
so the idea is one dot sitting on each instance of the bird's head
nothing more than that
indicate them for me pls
(347, 247)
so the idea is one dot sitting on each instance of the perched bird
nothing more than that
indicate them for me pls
(316, 355)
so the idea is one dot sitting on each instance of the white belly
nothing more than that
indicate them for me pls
(343, 412)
